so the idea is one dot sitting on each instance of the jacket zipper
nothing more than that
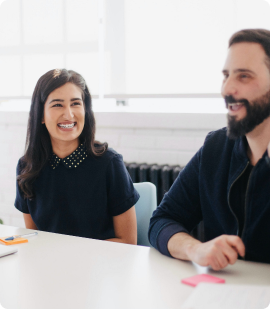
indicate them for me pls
(229, 198)
(246, 206)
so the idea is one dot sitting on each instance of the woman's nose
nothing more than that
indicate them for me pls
(68, 113)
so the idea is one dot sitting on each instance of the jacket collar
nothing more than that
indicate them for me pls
(240, 148)
(71, 161)
(239, 161)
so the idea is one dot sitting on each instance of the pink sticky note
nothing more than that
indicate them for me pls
(194, 280)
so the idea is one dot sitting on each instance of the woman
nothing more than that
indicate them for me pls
(67, 182)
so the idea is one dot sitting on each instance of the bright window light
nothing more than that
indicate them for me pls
(133, 49)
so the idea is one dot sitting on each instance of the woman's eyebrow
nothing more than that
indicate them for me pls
(56, 100)
(59, 100)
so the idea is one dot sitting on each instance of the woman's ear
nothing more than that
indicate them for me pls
(267, 158)
(42, 118)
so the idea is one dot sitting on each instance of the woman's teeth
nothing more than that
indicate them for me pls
(66, 126)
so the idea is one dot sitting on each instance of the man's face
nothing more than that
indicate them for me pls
(246, 88)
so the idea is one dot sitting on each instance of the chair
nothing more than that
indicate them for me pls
(144, 209)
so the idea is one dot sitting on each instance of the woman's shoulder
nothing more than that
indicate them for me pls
(21, 164)
(108, 158)
(110, 154)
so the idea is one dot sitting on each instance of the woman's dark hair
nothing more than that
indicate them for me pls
(260, 36)
(38, 148)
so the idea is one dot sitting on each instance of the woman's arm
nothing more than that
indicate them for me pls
(29, 223)
(125, 227)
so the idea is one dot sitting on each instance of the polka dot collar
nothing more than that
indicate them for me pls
(71, 161)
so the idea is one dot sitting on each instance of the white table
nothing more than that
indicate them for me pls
(54, 271)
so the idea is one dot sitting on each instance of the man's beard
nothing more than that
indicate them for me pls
(257, 112)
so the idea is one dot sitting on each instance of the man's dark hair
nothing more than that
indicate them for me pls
(260, 36)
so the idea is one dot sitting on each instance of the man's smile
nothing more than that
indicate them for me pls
(235, 106)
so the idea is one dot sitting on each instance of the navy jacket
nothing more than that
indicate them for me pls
(204, 190)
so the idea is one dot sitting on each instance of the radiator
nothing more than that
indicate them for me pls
(162, 176)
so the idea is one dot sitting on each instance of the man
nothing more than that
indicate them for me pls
(227, 183)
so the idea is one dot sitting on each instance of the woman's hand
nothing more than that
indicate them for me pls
(125, 227)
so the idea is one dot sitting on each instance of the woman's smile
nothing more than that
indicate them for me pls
(66, 126)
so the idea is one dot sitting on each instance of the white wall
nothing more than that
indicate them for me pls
(139, 137)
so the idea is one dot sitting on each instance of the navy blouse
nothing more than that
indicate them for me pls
(79, 195)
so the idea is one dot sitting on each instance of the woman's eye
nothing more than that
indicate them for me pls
(76, 103)
(57, 105)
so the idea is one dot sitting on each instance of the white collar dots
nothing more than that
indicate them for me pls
(71, 161)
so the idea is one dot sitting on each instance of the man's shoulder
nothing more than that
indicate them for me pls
(217, 134)
(219, 138)
(217, 143)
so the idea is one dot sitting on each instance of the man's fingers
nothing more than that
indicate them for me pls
(218, 261)
(237, 243)
(219, 252)
(215, 264)
(231, 254)
(222, 260)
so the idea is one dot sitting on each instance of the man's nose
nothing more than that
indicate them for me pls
(229, 87)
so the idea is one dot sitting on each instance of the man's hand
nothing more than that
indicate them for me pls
(218, 252)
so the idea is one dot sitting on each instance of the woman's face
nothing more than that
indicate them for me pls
(64, 114)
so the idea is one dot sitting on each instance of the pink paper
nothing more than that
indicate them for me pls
(194, 280)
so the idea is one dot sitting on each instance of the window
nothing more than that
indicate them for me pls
(123, 48)
(37, 36)
(174, 46)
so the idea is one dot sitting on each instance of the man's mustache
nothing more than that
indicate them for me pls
(231, 99)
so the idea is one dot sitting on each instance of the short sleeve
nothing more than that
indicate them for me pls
(120, 190)
(20, 201)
